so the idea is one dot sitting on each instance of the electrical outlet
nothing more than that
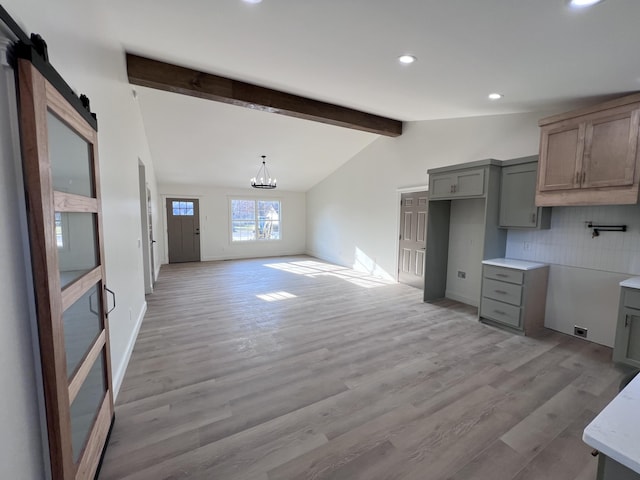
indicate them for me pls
(580, 331)
(462, 274)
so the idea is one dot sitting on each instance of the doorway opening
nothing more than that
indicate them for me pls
(146, 233)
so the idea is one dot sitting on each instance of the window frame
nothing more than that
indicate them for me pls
(255, 200)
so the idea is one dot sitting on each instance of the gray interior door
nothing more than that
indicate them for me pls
(183, 229)
(152, 242)
(413, 238)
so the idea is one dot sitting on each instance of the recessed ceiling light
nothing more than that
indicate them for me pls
(407, 59)
(251, 1)
(583, 3)
(495, 96)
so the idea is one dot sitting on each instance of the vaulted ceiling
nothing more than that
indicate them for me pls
(539, 54)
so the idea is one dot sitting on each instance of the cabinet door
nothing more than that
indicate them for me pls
(609, 469)
(610, 151)
(561, 150)
(627, 348)
(469, 183)
(518, 195)
(441, 185)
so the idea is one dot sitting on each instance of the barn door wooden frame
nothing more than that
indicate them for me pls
(72, 302)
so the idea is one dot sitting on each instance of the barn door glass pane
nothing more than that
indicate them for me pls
(82, 325)
(85, 406)
(71, 159)
(78, 254)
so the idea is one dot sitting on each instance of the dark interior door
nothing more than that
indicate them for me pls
(183, 229)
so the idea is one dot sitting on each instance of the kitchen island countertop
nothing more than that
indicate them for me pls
(615, 432)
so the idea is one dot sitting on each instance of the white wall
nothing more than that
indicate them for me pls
(81, 49)
(585, 271)
(215, 236)
(353, 215)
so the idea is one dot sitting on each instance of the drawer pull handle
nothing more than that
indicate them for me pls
(501, 292)
(499, 312)
(502, 275)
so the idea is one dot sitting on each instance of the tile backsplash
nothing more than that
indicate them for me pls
(569, 241)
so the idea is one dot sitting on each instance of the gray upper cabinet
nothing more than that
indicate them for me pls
(450, 185)
(518, 194)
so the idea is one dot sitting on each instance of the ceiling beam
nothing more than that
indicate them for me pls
(173, 78)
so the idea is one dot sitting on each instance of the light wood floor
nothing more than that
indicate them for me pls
(291, 368)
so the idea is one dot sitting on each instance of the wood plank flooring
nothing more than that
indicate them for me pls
(292, 368)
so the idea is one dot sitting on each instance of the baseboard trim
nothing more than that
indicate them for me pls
(122, 368)
(252, 255)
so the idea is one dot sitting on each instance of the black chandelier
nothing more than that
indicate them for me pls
(263, 174)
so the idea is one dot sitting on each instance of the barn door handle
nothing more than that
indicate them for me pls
(114, 299)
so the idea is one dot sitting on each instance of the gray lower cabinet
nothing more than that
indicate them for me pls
(627, 344)
(609, 469)
(514, 298)
(518, 196)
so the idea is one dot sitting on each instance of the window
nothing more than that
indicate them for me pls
(182, 208)
(255, 220)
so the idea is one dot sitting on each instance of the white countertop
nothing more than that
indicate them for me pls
(633, 282)
(616, 430)
(512, 263)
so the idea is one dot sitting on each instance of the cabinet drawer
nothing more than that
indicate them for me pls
(500, 312)
(502, 291)
(503, 274)
(632, 298)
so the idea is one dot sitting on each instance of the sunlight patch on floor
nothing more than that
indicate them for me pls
(312, 268)
(275, 296)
